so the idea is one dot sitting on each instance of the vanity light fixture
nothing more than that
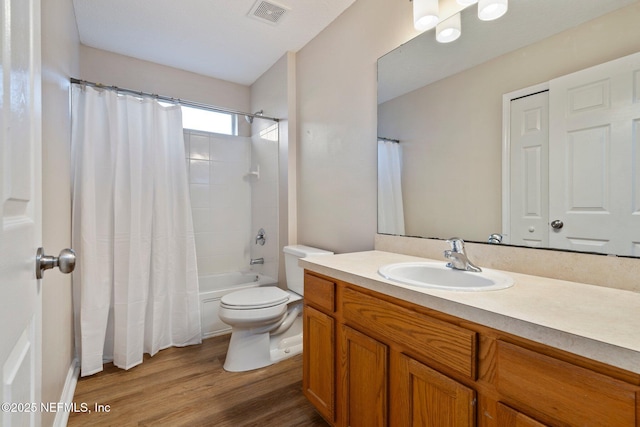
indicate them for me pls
(488, 10)
(449, 29)
(425, 14)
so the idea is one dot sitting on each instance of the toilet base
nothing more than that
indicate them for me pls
(248, 350)
(287, 344)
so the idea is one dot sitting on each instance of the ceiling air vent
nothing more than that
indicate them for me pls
(267, 12)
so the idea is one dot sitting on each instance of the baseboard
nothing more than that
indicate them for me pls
(67, 393)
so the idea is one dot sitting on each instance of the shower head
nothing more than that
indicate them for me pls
(249, 119)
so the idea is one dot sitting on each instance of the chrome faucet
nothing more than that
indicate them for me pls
(261, 237)
(495, 238)
(457, 258)
(255, 261)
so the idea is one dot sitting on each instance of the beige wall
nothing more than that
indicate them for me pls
(59, 61)
(336, 96)
(451, 130)
(111, 69)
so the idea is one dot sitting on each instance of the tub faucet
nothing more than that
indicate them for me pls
(255, 261)
(261, 238)
(457, 258)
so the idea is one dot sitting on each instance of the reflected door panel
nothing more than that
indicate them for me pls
(593, 158)
(529, 171)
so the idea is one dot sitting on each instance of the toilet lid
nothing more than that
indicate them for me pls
(259, 297)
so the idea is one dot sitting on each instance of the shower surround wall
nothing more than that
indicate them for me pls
(230, 204)
(220, 187)
(264, 195)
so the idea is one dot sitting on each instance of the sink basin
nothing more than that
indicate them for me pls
(436, 275)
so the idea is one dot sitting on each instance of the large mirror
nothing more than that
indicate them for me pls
(444, 104)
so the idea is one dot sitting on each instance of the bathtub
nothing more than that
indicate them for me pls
(213, 287)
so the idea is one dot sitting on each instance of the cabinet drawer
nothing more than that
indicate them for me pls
(320, 292)
(442, 342)
(566, 393)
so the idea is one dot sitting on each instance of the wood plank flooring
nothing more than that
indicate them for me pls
(188, 387)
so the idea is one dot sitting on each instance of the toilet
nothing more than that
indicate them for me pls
(266, 321)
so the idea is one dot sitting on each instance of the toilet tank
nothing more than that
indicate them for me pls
(294, 273)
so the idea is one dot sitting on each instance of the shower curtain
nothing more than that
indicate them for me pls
(136, 284)
(390, 206)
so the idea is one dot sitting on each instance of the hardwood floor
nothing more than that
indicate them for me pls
(188, 387)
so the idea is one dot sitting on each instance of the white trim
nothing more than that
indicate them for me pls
(506, 152)
(62, 417)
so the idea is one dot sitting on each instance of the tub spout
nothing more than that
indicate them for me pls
(256, 261)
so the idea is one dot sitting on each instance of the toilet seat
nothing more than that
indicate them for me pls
(254, 298)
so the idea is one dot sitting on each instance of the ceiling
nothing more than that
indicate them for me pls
(216, 38)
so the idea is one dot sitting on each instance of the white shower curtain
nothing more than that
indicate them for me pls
(390, 206)
(136, 283)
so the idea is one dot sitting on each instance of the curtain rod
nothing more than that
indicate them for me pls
(397, 141)
(169, 99)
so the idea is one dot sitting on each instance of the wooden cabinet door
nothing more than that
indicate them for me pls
(508, 417)
(561, 393)
(363, 380)
(424, 397)
(318, 366)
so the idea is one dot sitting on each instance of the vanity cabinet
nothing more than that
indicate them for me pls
(425, 397)
(368, 380)
(318, 371)
(561, 392)
(362, 380)
(508, 417)
(318, 379)
(374, 360)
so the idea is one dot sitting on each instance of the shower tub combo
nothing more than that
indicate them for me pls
(213, 287)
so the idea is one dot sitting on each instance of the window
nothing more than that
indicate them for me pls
(209, 121)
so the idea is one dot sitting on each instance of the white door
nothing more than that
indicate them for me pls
(20, 211)
(529, 170)
(594, 158)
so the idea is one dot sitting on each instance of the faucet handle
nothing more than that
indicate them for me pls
(457, 244)
(261, 238)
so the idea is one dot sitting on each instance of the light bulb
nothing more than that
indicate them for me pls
(449, 29)
(425, 14)
(489, 10)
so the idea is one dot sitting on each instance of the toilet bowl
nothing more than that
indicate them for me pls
(266, 321)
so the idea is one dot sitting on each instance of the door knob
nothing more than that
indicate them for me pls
(557, 224)
(66, 261)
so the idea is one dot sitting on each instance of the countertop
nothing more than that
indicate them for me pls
(596, 322)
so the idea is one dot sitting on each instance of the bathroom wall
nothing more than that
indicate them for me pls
(112, 69)
(220, 189)
(337, 107)
(60, 57)
(274, 92)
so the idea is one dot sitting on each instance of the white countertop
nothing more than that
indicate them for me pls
(596, 322)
